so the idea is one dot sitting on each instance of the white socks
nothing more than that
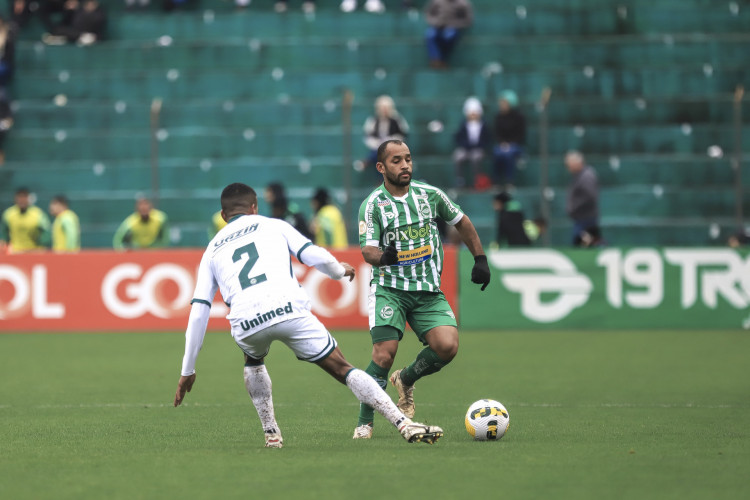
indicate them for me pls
(258, 385)
(369, 392)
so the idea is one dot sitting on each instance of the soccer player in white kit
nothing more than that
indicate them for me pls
(249, 262)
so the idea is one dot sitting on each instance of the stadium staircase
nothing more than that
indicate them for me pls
(643, 88)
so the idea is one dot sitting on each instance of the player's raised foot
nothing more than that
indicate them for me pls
(363, 432)
(415, 432)
(274, 439)
(405, 394)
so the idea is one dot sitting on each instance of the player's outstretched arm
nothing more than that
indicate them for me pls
(322, 260)
(194, 335)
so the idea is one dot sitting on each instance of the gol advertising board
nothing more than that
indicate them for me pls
(151, 290)
(610, 288)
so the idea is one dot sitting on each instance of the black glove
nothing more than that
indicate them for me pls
(480, 273)
(390, 255)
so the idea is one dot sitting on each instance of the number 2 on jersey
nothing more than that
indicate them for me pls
(246, 281)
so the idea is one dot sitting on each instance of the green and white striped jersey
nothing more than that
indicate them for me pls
(409, 221)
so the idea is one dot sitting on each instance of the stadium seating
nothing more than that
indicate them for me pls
(644, 89)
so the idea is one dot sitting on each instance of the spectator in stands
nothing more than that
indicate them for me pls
(24, 227)
(328, 223)
(472, 139)
(66, 229)
(81, 21)
(535, 228)
(385, 125)
(510, 221)
(582, 203)
(6, 121)
(510, 138)
(281, 208)
(308, 6)
(446, 19)
(146, 228)
(7, 52)
(21, 12)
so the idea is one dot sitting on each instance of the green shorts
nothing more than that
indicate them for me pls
(391, 307)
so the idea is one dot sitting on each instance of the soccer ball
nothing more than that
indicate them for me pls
(487, 420)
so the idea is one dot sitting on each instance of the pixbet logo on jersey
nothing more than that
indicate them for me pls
(408, 233)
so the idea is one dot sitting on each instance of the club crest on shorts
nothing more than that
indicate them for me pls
(386, 312)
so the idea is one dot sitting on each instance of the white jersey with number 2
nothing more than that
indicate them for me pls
(249, 261)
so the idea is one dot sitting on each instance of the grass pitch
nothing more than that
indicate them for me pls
(593, 415)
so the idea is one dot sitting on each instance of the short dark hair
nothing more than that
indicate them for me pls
(23, 190)
(238, 197)
(61, 199)
(382, 148)
(321, 196)
(503, 197)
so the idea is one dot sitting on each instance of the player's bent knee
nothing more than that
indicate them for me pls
(250, 361)
(446, 350)
(383, 353)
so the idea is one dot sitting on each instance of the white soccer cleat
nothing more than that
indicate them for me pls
(348, 5)
(405, 395)
(415, 432)
(274, 440)
(363, 432)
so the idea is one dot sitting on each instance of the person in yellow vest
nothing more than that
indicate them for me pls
(23, 227)
(217, 224)
(328, 223)
(66, 230)
(146, 228)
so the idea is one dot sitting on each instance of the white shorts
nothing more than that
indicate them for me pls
(305, 336)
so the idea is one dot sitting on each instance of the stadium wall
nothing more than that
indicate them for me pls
(151, 291)
(606, 288)
(610, 288)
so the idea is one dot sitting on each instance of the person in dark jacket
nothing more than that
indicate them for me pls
(582, 204)
(281, 208)
(510, 221)
(510, 138)
(472, 139)
(446, 19)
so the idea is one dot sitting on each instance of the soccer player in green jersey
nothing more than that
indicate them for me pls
(399, 238)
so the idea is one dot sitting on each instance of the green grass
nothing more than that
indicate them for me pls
(606, 415)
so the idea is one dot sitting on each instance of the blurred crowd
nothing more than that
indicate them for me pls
(24, 227)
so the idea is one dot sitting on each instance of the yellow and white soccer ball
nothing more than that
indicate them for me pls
(487, 420)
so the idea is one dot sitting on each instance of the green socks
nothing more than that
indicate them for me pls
(427, 363)
(380, 374)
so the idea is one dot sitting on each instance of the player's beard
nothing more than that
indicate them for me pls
(396, 180)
